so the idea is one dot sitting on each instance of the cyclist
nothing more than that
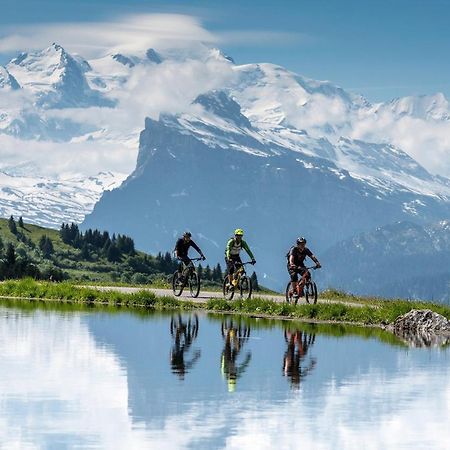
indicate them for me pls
(182, 249)
(296, 265)
(232, 253)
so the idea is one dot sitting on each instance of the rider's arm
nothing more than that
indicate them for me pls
(247, 249)
(229, 247)
(313, 257)
(193, 244)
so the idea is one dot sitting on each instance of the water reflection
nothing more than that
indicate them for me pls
(235, 334)
(184, 331)
(294, 363)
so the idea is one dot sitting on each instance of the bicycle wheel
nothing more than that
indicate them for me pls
(314, 292)
(194, 284)
(245, 286)
(311, 292)
(228, 289)
(289, 293)
(177, 284)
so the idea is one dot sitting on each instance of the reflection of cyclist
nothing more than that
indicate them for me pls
(182, 249)
(296, 265)
(232, 253)
(235, 338)
(298, 344)
(183, 334)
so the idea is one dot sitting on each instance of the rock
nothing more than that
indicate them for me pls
(422, 328)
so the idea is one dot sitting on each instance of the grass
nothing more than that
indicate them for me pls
(67, 292)
(368, 311)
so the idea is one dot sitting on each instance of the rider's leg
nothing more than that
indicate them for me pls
(236, 262)
(230, 269)
(294, 280)
(305, 275)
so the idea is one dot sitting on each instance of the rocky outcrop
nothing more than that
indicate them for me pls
(422, 328)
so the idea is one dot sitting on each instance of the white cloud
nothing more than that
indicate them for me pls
(92, 39)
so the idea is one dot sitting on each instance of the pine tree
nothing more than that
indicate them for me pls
(200, 271)
(10, 255)
(85, 251)
(46, 246)
(113, 254)
(2, 246)
(208, 273)
(12, 225)
(21, 225)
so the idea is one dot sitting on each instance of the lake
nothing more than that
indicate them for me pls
(104, 378)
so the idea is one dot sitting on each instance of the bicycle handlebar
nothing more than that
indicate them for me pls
(196, 259)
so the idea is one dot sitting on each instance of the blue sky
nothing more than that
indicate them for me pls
(382, 49)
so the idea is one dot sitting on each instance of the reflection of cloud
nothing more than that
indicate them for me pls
(374, 411)
(57, 385)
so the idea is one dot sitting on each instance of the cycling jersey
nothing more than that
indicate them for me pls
(299, 255)
(234, 248)
(182, 248)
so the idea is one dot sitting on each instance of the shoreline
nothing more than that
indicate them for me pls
(340, 309)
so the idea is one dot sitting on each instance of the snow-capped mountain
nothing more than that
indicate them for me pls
(7, 81)
(213, 169)
(253, 145)
(49, 202)
(55, 79)
(428, 107)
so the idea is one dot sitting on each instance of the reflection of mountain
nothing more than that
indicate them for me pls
(104, 381)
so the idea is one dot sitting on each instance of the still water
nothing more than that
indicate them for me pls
(111, 379)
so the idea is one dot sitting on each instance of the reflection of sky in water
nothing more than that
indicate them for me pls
(105, 381)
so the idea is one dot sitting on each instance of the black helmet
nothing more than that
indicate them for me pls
(187, 234)
(301, 240)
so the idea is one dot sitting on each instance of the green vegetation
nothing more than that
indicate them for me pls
(92, 256)
(338, 309)
(360, 311)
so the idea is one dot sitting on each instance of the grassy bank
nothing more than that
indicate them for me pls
(344, 308)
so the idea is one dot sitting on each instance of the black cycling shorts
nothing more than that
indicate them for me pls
(295, 272)
(231, 263)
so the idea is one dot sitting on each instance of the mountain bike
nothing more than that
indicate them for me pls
(243, 283)
(310, 290)
(187, 276)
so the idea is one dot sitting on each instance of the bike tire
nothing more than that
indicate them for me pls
(177, 286)
(314, 290)
(194, 284)
(289, 293)
(311, 292)
(228, 291)
(245, 287)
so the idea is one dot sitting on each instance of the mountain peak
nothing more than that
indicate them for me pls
(7, 81)
(153, 56)
(222, 105)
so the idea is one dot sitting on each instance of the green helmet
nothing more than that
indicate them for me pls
(239, 232)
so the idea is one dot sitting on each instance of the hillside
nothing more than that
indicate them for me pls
(403, 259)
(94, 256)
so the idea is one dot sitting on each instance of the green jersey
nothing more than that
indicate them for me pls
(234, 248)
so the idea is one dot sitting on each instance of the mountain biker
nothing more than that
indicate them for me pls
(296, 265)
(234, 247)
(182, 249)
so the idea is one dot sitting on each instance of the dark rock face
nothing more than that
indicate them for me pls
(422, 328)
(183, 182)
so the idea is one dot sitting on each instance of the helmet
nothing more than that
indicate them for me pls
(187, 234)
(301, 240)
(239, 232)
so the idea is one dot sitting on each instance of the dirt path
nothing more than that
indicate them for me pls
(206, 295)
